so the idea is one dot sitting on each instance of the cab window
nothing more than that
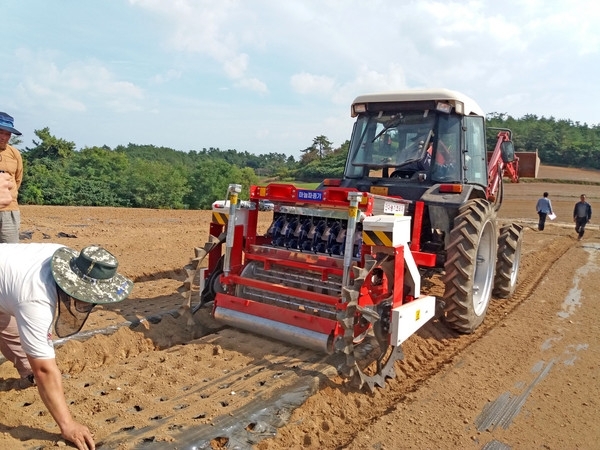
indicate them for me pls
(475, 151)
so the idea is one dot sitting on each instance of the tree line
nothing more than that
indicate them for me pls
(147, 176)
(137, 176)
(558, 142)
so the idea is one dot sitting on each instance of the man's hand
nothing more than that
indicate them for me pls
(6, 185)
(49, 382)
(80, 435)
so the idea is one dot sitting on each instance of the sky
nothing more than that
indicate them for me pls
(268, 76)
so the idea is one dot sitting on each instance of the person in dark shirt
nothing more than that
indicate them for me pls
(582, 214)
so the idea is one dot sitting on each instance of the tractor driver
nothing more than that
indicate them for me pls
(444, 167)
(443, 160)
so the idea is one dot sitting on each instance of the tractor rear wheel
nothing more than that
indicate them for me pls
(509, 259)
(470, 264)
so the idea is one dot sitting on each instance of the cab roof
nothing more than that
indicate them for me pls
(463, 104)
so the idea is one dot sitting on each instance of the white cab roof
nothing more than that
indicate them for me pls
(447, 95)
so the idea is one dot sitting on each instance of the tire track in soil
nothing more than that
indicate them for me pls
(445, 344)
(427, 352)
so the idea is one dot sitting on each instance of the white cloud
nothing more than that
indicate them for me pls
(75, 86)
(306, 83)
(218, 30)
(236, 66)
(252, 84)
(366, 80)
(162, 78)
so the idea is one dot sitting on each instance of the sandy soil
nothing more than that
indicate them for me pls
(140, 377)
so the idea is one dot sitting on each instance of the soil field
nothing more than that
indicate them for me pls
(142, 376)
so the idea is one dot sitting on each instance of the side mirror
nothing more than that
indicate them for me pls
(508, 151)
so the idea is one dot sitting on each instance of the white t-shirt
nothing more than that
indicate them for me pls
(28, 292)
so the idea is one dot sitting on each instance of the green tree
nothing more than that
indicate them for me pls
(100, 174)
(50, 147)
(46, 184)
(330, 166)
(210, 180)
(45, 179)
(320, 148)
(151, 184)
(15, 140)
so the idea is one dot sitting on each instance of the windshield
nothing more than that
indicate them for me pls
(390, 140)
(403, 142)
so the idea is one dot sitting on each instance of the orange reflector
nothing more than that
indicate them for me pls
(332, 182)
(451, 188)
(378, 190)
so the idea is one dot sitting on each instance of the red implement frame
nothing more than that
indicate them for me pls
(242, 253)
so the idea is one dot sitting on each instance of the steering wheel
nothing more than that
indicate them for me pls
(402, 173)
(445, 172)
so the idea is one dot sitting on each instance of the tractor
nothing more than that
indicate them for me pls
(339, 269)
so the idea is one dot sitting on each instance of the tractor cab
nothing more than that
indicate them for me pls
(437, 136)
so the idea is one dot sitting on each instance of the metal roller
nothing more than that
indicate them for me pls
(276, 330)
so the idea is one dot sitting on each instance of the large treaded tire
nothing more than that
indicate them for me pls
(499, 197)
(470, 266)
(509, 259)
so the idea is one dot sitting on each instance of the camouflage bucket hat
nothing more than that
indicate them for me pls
(90, 275)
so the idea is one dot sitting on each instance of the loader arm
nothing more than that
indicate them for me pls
(502, 163)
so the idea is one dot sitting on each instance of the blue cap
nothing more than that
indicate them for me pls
(7, 123)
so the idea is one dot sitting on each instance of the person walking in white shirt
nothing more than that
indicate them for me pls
(544, 208)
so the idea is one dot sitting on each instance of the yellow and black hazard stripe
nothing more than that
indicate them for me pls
(220, 218)
(382, 238)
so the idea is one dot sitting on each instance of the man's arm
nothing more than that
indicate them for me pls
(49, 382)
(5, 187)
(19, 171)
